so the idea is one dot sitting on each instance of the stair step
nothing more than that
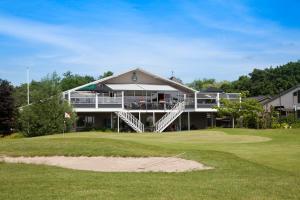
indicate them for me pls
(131, 120)
(170, 117)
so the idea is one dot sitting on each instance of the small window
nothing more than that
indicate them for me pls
(89, 119)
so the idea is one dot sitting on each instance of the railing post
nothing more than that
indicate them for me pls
(218, 99)
(122, 99)
(96, 100)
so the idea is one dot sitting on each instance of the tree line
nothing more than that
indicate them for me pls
(269, 81)
(46, 112)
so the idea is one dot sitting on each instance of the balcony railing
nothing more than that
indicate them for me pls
(192, 101)
(95, 101)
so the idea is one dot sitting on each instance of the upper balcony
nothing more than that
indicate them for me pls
(146, 101)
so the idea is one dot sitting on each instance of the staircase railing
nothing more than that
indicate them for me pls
(169, 117)
(131, 120)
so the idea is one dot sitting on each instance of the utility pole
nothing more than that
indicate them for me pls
(28, 86)
(28, 100)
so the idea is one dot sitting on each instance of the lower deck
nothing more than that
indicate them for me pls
(111, 121)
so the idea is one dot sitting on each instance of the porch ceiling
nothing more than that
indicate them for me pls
(140, 87)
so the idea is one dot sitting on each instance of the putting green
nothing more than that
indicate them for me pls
(199, 137)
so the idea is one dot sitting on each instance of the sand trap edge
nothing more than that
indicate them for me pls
(113, 164)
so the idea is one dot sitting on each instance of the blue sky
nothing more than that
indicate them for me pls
(219, 39)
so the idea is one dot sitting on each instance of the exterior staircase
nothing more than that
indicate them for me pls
(169, 117)
(131, 120)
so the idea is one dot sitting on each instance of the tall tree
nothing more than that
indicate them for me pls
(106, 74)
(6, 107)
(46, 114)
(70, 80)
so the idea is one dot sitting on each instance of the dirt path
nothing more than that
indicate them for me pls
(113, 164)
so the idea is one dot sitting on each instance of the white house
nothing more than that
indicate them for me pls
(141, 101)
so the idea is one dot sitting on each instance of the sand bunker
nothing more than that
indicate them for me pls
(113, 164)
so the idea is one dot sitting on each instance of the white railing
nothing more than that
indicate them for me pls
(94, 100)
(110, 100)
(205, 100)
(131, 120)
(169, 117)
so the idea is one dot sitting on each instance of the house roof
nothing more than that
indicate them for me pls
(283, 93)
(212, 90)
(140, 87)
(136, 69)
(261, 99)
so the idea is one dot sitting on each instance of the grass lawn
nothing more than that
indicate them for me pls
(249, 164)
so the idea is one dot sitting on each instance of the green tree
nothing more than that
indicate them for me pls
(252, 113)
(106, 74)
(46, 114)
(46, 117)
(6, 107)
(70, 80)
(230, 109)
(202, 84)
(268, 81)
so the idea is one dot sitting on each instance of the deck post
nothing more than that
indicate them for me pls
(189, 121)
(153, 118)
(212, 119)
(122, 99)
(218, 99)
(111, 121)
(118, 124)
(179, 122)
(140, 116)
(196, 103)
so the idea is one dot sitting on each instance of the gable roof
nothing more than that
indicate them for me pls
(135, 69)
(261, 99)
(282, 93)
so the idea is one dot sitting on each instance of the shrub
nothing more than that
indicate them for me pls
(46, 117)
(296, 124)
(15, 136)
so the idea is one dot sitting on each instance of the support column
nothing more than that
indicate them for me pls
(111, 121)
(118, 124)
(153, 118)
(196, 103)
(189, 122)
(140, 116)
(122, 99)
(212, 119)
(179, 122)
(218, 99)
(96, 100)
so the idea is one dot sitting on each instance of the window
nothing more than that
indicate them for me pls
(298, 96)
(89, 119)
